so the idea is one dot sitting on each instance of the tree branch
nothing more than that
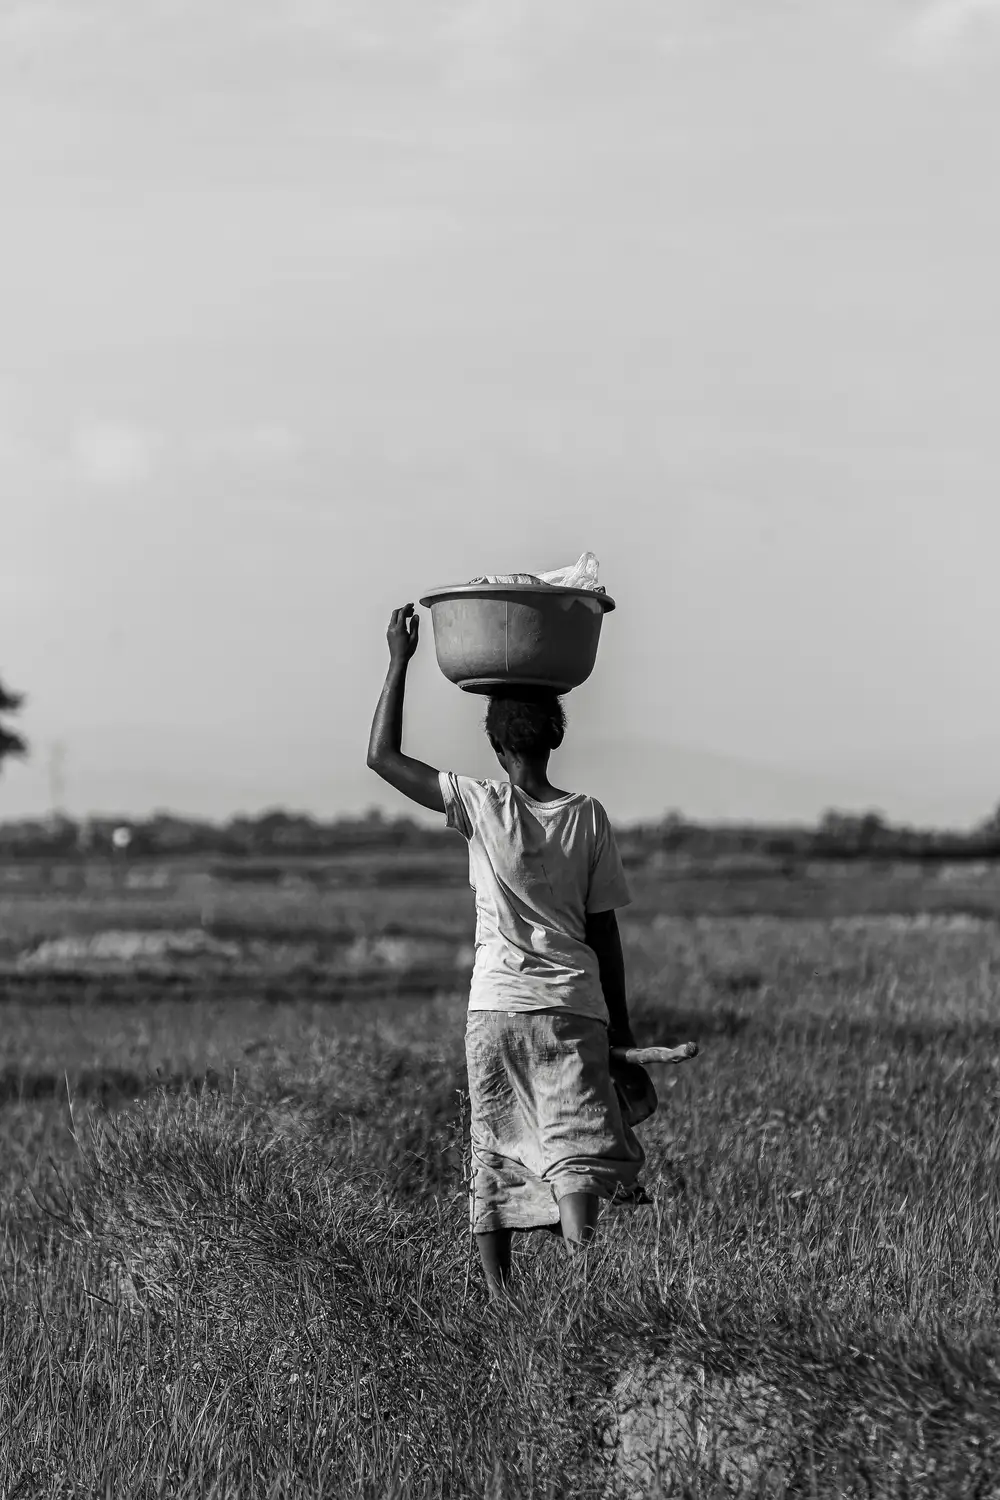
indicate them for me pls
(11, 744)
(10, 703)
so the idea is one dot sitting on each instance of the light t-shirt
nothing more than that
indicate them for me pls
(538, 869)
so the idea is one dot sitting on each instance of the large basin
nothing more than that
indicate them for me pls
(490, 636)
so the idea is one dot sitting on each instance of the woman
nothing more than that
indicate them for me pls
(549, 1140)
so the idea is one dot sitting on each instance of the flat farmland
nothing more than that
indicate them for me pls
(234, 1239)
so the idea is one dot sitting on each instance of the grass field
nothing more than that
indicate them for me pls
(234, 1242)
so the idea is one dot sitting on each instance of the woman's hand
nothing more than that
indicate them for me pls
(403, 634)
(621, 1036)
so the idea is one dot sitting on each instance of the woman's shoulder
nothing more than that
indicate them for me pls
(583, 799)
(460, 779)
(595, 812)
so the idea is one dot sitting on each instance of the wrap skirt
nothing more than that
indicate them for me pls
(546, 1119)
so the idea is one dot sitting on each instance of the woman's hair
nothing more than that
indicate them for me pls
(530, 724)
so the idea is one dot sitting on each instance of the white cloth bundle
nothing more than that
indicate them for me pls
(580, 575)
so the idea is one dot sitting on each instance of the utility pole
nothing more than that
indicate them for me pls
(57, 779)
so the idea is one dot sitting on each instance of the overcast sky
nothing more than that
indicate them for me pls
(307, 307)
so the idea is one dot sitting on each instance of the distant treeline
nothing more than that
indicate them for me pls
(277, 833)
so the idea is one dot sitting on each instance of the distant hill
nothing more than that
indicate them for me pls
(637, 780)
(640, 780)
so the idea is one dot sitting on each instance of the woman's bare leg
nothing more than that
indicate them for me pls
(494, 1252)
(578, 1219)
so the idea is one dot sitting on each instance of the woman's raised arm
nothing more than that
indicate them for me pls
(413, 778)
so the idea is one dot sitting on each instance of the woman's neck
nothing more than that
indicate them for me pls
(532, 778)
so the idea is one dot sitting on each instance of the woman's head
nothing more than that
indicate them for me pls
(527, 726)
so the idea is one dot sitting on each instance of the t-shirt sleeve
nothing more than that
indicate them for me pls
(463, 799)
(608, 887)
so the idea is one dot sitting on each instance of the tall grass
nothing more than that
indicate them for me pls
(264, 1287)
